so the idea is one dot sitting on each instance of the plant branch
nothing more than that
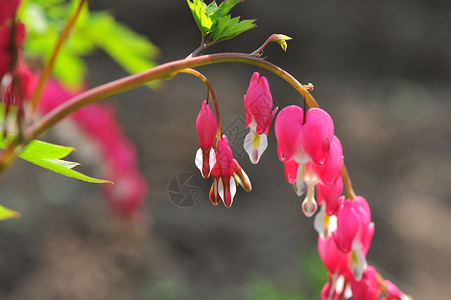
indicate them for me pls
(347, 181)
(213, 96)
(46, 72)
(159, 72)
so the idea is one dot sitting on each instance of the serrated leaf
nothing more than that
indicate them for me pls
(228, 28)
(224, 8)
(6, 213)
(203, 21)
(48, 156)
(211, 8)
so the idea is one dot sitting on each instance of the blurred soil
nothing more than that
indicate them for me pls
(381, 69)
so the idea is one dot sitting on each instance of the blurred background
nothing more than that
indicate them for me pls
(382, 70)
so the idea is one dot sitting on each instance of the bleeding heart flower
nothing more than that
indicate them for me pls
(303, 140)
(259, 115)
(367, 288)
(223, 187)
(354, 232)
(206, 129)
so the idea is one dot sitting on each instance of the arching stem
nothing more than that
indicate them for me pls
(213, 96)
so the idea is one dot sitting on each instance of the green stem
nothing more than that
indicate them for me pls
(47, 71)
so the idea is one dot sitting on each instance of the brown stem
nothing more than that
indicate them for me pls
(46, 72)
(347, 181)
(213, 96)
(160, 72)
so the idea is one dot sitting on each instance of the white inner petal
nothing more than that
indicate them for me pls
(198, 160)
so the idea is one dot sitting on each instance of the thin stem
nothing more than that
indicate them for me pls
(132, 81)
(46, 72)
(260, 49)
(347, 181)
(201, 48)
(213, 96)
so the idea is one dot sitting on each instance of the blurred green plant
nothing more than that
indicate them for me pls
(44, 20)
(311, 268)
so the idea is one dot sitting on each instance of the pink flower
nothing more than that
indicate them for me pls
(330, 195)
(259, 115)
(206, 129)
(334, 260)
(367, 288)
(8, 9)
(225, 172)
(223, 187)
(305, 176)
(393, 293)
(303, 140)
(354, 232)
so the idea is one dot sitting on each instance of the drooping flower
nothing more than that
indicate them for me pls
(355, 232)
(226, 174)
(223, 187)
(206, 129)
(366, 288)
(259, 115)
(303, 140)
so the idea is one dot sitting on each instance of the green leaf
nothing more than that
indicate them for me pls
(228, 28)
(225, 7)
(93, 30)
(199, 11)
(6, 213)
(48, 156)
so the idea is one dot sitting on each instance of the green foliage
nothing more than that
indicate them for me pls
(43, 154)
(45, 19)
(214, 21)
(49, 156)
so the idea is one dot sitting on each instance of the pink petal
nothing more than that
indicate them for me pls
(331, 169)
(367, 288)
(348, 223)
(206, 126)
(224, 157)
(331, 195)
(258, 104)
(318, 134)
(291, 169)
(288, 128)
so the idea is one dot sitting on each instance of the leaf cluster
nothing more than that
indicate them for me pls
(45, 19)
(215, 22)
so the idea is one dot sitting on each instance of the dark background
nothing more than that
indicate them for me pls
(380, 68)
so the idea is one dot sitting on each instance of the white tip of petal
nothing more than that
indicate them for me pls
(255, 145)
(212, 158)
(359, 263)
(321, 223)
(232, 188)
(199, 160)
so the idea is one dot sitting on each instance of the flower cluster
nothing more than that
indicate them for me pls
(313, 160)
(224, 169)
